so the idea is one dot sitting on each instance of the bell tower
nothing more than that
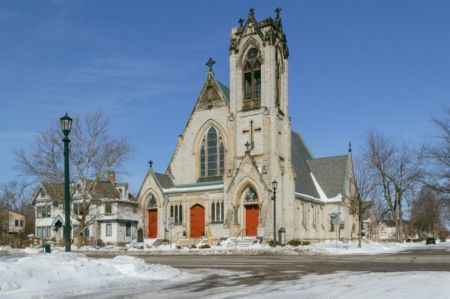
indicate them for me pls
(259, 118)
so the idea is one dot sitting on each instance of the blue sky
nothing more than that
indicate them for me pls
(352, 65)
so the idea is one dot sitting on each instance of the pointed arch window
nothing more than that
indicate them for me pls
(151, 201)
(212, 155)
(252, 79)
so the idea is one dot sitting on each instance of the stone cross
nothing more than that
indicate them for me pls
(210, 64)
(150, 163)
(277, 11)
(241, 22)
(251, 11)
(251, 140)
(248, 147)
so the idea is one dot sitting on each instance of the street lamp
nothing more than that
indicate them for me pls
(66, 126)
(274, 197)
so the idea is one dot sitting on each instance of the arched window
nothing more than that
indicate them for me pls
(212, 155)
(252, 79)
(250, 195)
(151, 201)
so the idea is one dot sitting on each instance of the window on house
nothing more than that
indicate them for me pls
(44, 232)
(252, 79)
(108, 229)
(108, 208)
(212, 155)
(87, 232)
(176, 212)
(43, 212)
(128, 229)
(21, 223)
(217, 211)
(313, 208)
(304, 215)
(17, 222)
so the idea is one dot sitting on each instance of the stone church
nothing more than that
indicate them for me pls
(238, 169)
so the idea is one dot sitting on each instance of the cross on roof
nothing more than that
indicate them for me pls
(150, 163)
(251, 11)
(277, 11)
(210, 64)
(241, 22)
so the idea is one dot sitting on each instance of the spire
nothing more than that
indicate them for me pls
(210, 64)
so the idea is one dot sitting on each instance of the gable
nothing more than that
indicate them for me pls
(213, 95)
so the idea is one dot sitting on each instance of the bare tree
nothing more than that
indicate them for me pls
(396, 171)
(427, 213)
(365, 193)
(15, 194)
(93, 152)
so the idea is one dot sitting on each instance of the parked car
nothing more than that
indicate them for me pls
(430, 240)
(443, 240)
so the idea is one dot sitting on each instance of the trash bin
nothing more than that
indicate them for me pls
(47, 248)
(282, 236)
(140, 235)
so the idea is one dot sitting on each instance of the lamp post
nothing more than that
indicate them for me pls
(274, 198)
(66, 126)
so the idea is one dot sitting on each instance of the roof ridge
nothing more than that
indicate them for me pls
(328, 157)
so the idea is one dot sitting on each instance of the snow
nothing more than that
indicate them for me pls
(61, 274)
(429, 284)
(193, 188)
(244, 246)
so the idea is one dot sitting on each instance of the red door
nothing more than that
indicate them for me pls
(197, 221)
(153, 224)
(251, 220)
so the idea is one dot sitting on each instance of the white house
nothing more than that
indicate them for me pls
(113, 211)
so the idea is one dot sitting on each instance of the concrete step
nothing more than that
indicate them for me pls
(239, 243)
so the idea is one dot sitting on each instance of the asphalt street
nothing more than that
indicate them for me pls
(223, 272)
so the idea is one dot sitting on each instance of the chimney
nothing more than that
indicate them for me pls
(112, 177)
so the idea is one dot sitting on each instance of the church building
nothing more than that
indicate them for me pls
(238, 170)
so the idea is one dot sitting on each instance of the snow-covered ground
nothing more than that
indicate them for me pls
(346, 285)
(27, 273)
(61, 274)
(227, 247)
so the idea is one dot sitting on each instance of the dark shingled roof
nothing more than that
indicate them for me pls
(164, 180)
(55, 191)
(300, 153)
(330, 173)
(225, 90)
(103, 189)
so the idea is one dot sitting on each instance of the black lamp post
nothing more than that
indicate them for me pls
(274, 198)
(66, 126)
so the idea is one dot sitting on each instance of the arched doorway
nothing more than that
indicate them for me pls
(251, 212)
(197, 221)
(152, 217)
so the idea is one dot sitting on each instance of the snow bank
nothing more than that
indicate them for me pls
(63, 274)
(230, 247)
